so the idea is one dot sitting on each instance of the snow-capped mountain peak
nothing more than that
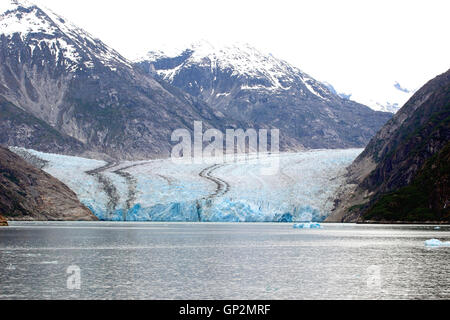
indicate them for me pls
(256, 70)
(64, 91)
(244, 83)
(41, 28)
(241, 58)
(11, 5)
(23, 17)
(389, 97)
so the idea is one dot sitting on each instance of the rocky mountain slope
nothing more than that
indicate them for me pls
(62, 90)
(403, 174)
(243, 83)
(28, 193)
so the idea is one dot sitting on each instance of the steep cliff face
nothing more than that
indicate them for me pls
(404, 164)
(426, 198)
(28, 193)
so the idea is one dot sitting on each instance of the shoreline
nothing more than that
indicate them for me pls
(3, 222)
(406, 222)
(439, 223)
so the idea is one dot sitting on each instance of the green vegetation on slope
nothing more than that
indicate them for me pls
(425, 199)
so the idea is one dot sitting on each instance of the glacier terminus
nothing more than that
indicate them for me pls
(162, 190)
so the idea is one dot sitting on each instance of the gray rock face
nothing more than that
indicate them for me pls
(419, 132)
(61, 90)
(28, 194)
(242, 83)
(20, 128)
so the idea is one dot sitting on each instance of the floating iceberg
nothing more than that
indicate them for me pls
(307, 226)
(436, 243)
(10, 267)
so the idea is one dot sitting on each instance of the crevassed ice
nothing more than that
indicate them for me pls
(161, 190)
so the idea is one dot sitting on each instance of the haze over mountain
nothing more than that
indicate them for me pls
(243, 83)
(404, 173)
(396, 96)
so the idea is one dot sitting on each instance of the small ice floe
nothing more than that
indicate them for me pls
(307, 226)
(10, 267)
(49, 262)
(436, 243)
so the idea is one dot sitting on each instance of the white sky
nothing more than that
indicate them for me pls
(359, 46)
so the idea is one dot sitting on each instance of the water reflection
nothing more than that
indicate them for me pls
(222, 261)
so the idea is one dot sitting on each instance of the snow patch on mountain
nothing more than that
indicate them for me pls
(391, 97)
(242, 61)
(395, 97)
(37, 27)
(398, 86)
(23, 18)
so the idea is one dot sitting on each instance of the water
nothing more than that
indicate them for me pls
(222, 261)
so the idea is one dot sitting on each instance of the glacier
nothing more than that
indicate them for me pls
(235, 191)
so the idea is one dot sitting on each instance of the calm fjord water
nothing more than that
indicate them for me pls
(222, 261)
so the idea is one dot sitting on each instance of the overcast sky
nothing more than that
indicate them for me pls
(359, 46)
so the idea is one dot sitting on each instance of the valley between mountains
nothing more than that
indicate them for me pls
(234, 191)
(76, 109)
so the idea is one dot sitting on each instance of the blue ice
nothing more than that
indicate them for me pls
(436, 243)
(308, 226)
(301, 191)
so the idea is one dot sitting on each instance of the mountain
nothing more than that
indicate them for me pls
(395, 96)
(343, 95)
(403, 174)
(62, 90)
(28, 193)
(243, 83)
